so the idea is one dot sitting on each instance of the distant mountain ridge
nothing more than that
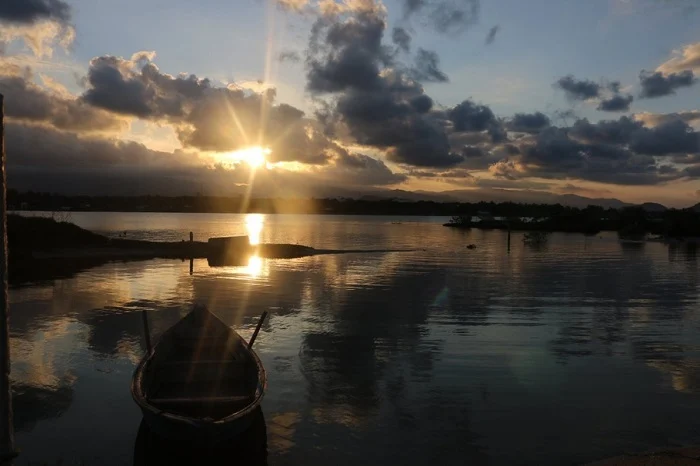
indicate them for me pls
(502, 195)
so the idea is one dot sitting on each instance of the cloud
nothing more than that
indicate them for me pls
(26, 101)
(371, 99)
(528, 122)
(578, 89)
(688, 58)
(289, 56)
(205, 117)
(622, 151)
(43, 158)
(605, 131)
(557, 156)
(569, 188)
(616, 103)
(41, 38)
(658, 85)
(655, 119)
(445, 16)
(41, 24)
(293, 5)
(364, 169)
(671, 137)
(42, 148)
(491, 36)
(468, 116)
(427, 67)
(31, 11)
(401, 38)
(459, 175)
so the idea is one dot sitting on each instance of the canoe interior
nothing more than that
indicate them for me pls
(200, 369)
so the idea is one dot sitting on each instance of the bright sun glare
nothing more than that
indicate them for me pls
(254, 156)
(254, 225)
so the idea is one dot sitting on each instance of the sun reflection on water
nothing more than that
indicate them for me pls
(254, 225)
(255, 266)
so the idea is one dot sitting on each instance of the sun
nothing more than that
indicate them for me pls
(255, 156)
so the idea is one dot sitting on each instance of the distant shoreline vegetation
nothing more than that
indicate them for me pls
(631, 223)
(635, 221)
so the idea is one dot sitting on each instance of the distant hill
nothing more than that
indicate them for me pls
(696, 207)
(653, 207)
(506, 195)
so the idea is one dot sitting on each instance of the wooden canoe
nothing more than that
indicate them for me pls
(201, 382)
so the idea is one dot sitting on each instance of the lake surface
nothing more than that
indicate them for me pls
(555, 355)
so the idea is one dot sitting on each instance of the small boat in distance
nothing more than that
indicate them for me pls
(202, 382)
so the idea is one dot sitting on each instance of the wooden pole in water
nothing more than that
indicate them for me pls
(7, 434)
(146, 332)
(508, 236)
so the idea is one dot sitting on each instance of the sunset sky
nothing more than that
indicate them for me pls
(307, 97)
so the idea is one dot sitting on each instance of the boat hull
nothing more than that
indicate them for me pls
(200, 432)
(199, 422)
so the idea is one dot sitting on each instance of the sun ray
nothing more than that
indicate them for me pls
(238, 123)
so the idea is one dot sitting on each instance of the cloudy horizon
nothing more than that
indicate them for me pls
(300, 97)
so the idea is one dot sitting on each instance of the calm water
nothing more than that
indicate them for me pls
(557, 355)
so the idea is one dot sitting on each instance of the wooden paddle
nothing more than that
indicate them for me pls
(257, 329)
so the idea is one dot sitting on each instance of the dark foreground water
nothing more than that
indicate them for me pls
(443, 355)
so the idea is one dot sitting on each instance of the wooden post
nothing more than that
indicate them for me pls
(508, 237)
(7, 434)
(191, 252)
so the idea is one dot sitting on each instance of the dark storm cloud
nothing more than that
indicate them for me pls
(668, 138)
(578, 89)
(472, 151)
(120, 86)
(674, 137)
(369, 170)
(555, 155)
(422, 103)
(468, 116)
(289, 56)
(606, 131)
(616, 103)
(491, 36)
(427, 67)
(528, 122)
(658, 85)
(445, 16)
(375, 102)
(30, 11)
(354, 54)
(26, 101)
(401, 38)
(622, 151)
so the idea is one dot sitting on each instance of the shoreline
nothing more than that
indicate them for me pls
(677, 456)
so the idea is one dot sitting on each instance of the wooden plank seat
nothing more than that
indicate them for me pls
(203, 371)
(186, 400)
